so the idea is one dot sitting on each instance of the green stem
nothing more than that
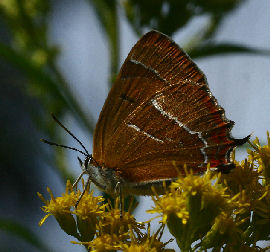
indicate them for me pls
(114, 50)
(107, 15)
(87, 122)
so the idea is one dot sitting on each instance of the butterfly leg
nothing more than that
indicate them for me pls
(118, 189)
(78, 179)
(84, 190)
(83, 172)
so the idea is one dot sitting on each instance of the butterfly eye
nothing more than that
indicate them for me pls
(87, 161)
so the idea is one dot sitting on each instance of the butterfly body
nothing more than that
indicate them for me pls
(108, 179)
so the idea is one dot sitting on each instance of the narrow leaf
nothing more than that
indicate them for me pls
(225, 48)
(22, 232)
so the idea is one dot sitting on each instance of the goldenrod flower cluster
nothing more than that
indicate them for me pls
(222, 212)
(97, 225)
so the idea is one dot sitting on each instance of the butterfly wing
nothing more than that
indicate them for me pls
(160, 115)
(136, 83)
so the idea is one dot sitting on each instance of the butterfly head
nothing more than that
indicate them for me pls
(104, 178)
(85, 163)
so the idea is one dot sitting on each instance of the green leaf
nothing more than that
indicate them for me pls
(170, 16)
(22, 232)
(32, 70)
(179, 230)
(107, 14)
(225, 48)
(55, 86)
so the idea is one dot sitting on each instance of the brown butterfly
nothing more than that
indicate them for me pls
(158, 116)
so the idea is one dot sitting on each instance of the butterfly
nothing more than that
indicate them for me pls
(159, 116)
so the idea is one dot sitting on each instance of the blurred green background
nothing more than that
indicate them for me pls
(61, 56)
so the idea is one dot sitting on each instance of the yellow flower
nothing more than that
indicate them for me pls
(112, 223)
(262, 207)
(60, 207)
(244, 178)
(147, 242)
(262, 156)
(88, 211)
(103, 243)
(206, 189)
(112, 231)
(170, 203)
(241, 204)
(140, 248)
(191, 205)
(225, 230)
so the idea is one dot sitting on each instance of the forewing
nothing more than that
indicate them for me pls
(160, 115)
(151, 66)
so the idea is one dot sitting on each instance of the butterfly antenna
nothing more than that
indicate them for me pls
(63, 146)
(70, 133)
